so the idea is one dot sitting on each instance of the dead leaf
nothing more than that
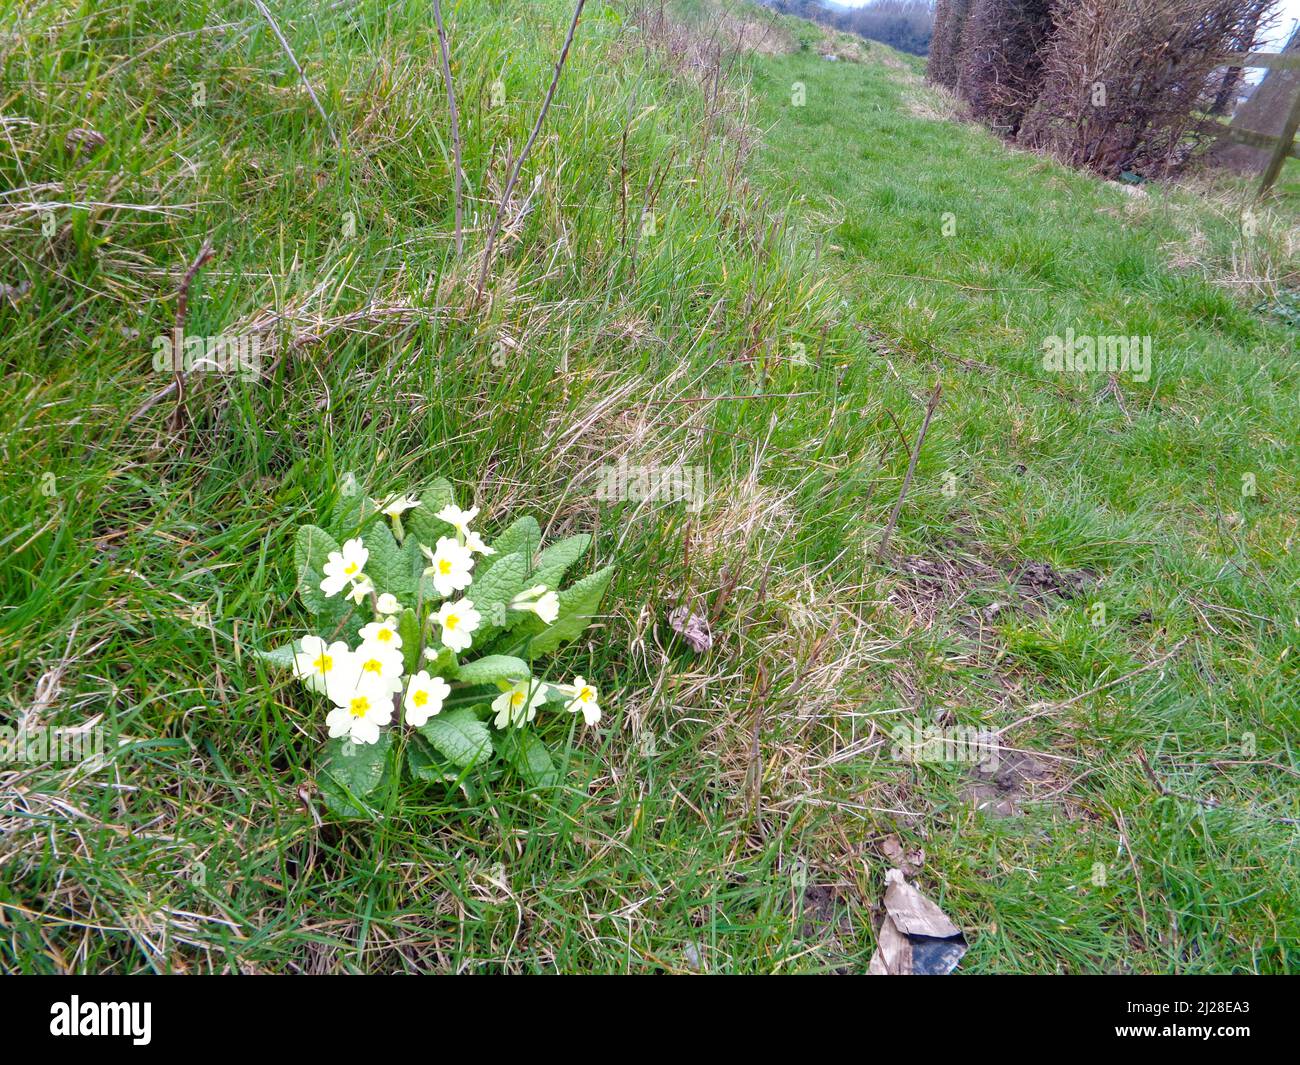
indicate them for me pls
(916, 938)
(909, 862)
(693, 629)
(83, 140)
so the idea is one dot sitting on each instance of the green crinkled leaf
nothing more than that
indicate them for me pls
(343, 621)
(555, 561)
(280, 657)
(420, 522)
(492, 591)
(311, 550)
(425, 763)
(408, 628)
(352, 771)
(387, 566)
(459, 736)
(444, 665)
(525, 750)
(492, 668)
(578, 605)
(522, 537)
(413, 564)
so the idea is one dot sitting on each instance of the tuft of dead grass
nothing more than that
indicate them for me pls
(1229, 238)
(932, 103)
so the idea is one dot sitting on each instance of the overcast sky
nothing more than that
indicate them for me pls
(1290, 12)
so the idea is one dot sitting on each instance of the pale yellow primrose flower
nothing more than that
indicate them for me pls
(546, 605)
(475, 543)
(384, 632)
(459, 520)
(388, 604)
(519, 703)
(320, 665)
(458, 620)
(396, 506)
(584, 698)
(360, 712)
(449, 566)
(424, 697)
(379, 664)
(361, 590)
(344, 566)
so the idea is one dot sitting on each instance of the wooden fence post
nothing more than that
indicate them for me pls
(1285, 143)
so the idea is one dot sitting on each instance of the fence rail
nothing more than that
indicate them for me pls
(1282, 145)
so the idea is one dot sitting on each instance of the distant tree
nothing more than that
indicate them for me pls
(903, 24)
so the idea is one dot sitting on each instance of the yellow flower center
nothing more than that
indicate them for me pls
(359, 707)
(586, 695)
(516, 698)
(351, 568)
(452, 621)
(324, 664)
(444, 566)
(384, 635)
(421, 697)
(373, 665)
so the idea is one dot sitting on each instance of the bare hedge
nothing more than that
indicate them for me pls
(1112, 85)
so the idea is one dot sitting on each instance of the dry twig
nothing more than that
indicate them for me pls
(528, 147)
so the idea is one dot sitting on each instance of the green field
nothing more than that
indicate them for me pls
(1100, 571)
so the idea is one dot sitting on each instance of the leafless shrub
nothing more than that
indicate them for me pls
(1123, 80)
(945, 45)
(1000, 65)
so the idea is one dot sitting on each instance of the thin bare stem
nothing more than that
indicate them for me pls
(455, 125)
(205, 255)
(911, 468)
(275, 28)
(528, 147)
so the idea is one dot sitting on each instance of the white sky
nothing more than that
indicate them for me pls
(1290, 11)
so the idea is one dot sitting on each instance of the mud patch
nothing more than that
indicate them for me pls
(944, 582)
(1040, 580)
(826, 920)
(1002, 790)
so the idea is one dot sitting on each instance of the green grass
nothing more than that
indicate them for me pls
(730, 811)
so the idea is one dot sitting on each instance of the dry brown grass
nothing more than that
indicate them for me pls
(932, 102)
(1223, 233)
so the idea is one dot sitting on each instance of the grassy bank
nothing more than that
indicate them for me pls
(694, 270)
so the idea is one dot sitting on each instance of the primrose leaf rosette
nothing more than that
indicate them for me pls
(423, 658)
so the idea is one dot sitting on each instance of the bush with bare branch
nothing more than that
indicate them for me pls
(1123, 80)
(945, 44)
(1001, 59)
